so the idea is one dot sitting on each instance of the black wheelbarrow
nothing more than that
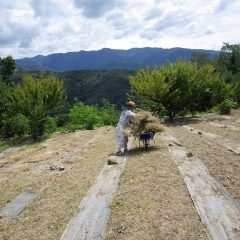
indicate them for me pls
(145, 138)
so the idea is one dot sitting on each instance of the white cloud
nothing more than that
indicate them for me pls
(32, 27)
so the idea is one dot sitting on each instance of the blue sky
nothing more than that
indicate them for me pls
(33, 27)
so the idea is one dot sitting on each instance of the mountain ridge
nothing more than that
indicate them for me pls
(107, 58)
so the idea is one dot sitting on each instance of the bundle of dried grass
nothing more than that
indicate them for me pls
(143, 122)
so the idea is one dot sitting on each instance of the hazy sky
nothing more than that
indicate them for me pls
(32, 27)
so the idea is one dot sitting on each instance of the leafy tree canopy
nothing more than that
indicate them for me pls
(34, 98)
(179, 86)
(7, 67)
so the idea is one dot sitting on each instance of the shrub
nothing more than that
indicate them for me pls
(107, 114)
(61, 119)
(16, 125)
(81, 114)
(226, 106)
(50, 125)
(88, 116)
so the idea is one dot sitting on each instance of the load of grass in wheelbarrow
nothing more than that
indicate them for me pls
(144, 127)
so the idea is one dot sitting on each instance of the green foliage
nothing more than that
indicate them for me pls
(50, 125)
(5, 93)
(229, 58)
(81, 85)
(226, 106)
(200, 59)
(34, 98)
(179, 86)
(61, 119)
(84, 116)
(7, 67)
(81, 114)
(92, 86)
(15, 125)
(228, 64)
(107, 114)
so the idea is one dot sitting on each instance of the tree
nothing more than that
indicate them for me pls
(7, 67)
(229, 59)
(228, 65)
(200, 58)
(5, 92)
(34, 98)
(178, 86)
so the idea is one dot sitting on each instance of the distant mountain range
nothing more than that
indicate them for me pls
(106, 58)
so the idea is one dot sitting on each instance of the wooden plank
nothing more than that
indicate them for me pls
(226, 143)
(91, 220)
(215, 205)
(214, 124)
(15, 207)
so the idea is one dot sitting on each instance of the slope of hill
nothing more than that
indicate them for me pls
(107, 59)
(152, 201)
(92, 86)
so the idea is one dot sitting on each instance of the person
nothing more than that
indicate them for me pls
(126, 118)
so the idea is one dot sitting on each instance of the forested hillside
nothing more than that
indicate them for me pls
(92, 86)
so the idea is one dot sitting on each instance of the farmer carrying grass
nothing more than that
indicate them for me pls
(125, 119)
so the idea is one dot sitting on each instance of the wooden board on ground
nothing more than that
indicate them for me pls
(91, 220)
(216, 207)
(152, 201)
(230, 145)
(15, 207)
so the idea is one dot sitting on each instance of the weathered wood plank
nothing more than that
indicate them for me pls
(91, 220)
(13, 208)
(226, 143)
(215, 206)
(214, 124)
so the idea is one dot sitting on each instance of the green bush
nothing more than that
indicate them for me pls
(226, 106)
(16, 125)
(61, 120)
(90, 116)
(50, 125)
(81, 114)
(107, 114)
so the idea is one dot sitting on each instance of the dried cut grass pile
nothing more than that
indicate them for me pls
(143, 122)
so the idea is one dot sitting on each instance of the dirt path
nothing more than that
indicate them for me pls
(153, 201)
(50, 212)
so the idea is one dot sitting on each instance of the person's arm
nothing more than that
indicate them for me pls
(131, 116)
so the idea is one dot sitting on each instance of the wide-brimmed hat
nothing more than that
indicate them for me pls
(131, 104)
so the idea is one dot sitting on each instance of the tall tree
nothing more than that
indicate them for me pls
(200, 58)
(178, 86)
(229, 58)
(34, 98)
(5, 92)
(7, 67)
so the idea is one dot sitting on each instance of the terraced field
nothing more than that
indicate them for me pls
(163, 193)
